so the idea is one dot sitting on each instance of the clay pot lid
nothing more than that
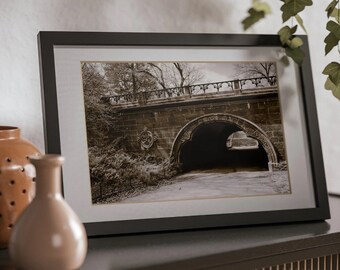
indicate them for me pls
(9, 132)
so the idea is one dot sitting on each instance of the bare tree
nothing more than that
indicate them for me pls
(93, 82)
(169, 75)
(157, 71)
(122, 78)
(254, 70)
(188, 74)
(128, 78)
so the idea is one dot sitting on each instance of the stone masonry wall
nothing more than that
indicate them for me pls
(165, 121)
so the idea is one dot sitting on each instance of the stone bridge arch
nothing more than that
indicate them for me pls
(251, 129)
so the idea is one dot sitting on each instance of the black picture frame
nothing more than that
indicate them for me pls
(48, 41)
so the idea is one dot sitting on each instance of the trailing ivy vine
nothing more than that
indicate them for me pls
(292, 44)
(332, 70)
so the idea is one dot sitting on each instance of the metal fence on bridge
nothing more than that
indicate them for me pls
(231, 88)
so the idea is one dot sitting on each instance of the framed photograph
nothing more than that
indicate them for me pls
(165, 131)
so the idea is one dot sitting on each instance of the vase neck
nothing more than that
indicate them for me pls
(48, 180)
(48, 183)
(7, 132)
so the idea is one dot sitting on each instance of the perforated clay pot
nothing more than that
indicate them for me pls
(17, 176)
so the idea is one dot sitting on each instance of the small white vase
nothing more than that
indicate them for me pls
(48, 235)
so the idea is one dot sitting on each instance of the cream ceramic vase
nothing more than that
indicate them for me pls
(48, 235)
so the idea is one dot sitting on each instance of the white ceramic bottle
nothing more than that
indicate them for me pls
(48, 234)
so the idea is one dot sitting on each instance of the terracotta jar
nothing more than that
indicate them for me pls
(48, 234)
(16, 179)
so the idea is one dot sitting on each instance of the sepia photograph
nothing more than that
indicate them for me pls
(167, 131)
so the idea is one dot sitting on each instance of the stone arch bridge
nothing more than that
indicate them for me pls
(192, 125)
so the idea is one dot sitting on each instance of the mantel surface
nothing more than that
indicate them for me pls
(201, 249)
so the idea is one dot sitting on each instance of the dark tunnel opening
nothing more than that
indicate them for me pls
(208, 150)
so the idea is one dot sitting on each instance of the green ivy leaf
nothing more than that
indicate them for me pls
(336, 92)
(336, 14)
(329, 85)
(286, 34)
(333, 71)
(334, 28)
(254, 16)
(296, 54)
(292, 44)
(292, 7)
(293, 29)
(330, 8)
(296, 42)
(300, 22)
(331, 41)
(285, 60)
(262, 6)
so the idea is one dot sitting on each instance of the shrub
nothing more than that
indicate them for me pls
(116, 174)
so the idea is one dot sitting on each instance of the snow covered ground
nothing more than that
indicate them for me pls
(212, 184)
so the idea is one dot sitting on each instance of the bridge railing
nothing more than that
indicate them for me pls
(233, 87)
